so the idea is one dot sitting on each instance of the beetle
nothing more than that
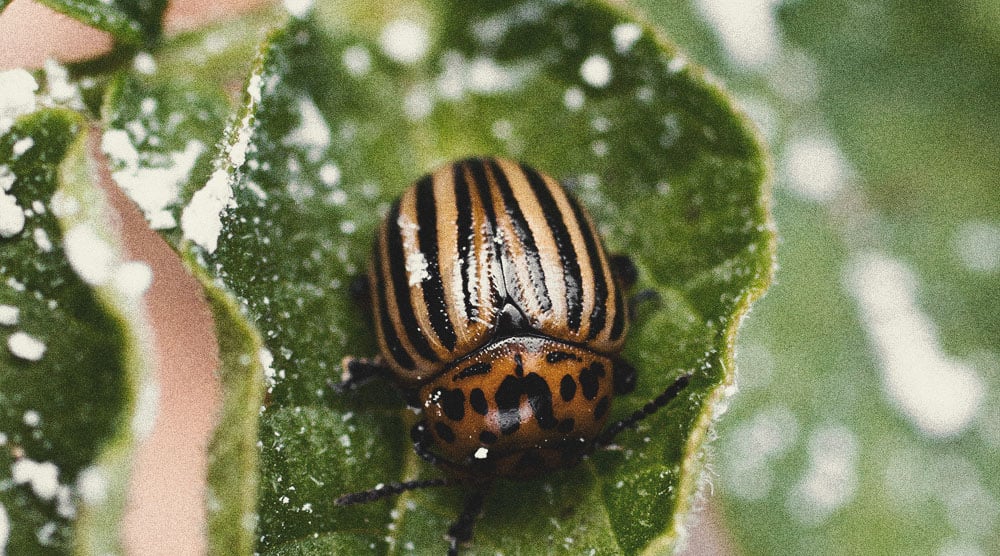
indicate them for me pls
(500, 315)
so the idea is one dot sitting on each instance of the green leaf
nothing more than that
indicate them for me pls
(128, 22)
(160, 134)
(335, 124)
(75, 358)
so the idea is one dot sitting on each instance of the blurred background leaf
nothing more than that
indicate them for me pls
(867, 420)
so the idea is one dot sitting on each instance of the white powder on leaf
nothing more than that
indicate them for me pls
(9, 315)
(22, 146)
(91, 257)
(4, 529)
(17, 96)
(201, 221)
(404, 41)
(11, 216)
(25, 346)
(42, 476)
(596, 71)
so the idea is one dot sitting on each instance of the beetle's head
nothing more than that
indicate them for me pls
(518, 407)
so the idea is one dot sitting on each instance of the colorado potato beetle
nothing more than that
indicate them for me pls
(500, 315)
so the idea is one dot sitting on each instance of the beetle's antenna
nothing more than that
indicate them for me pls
(461, 531)
(609, 434)
(384, 490)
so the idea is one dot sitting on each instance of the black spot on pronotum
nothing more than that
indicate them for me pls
(566, 425)
(478, 401)
(452, 402)
(539, 397)
(602, 408)
(473, 370)
(567, 388)
(487, 437)
(590, 379)
(444, 432)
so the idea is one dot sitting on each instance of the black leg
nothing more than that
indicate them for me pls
(624, 270)
(385, 490)
(609, 434)
(422, 441)
(359, 289)
(460, 532)
(357, 371)
(625, 376)
(640, 297)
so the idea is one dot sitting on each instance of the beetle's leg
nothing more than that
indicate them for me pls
(360, 289)
(461, 531)
(422, 440)
(357, 371)
(624, 270)
(625, 376)
(385, 490)
(609, 434)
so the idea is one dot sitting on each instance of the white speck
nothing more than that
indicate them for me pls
(938, 393)
(502, 129)
(63, 205)
(144, 63)
(329, 174)
(60, 90)
(418, 103)
(92, 485)
(747, 28)
(312, 133)
(42, 239)
(831, 479)
(415, 262)
(22, 145)
(9, 315)
(266, 359)
(599, 147)
(596, 71)
(31, 418)
(116, 144)
(348, 227)
(345, 441)
(43, 477)
(11, 216)
(38, 206)
(978, 246)
(148, 106)
(133, 278)
(624, 36)
(26, 347)
(677, 64)
(573, 99)
(4, 529)
(955, 547)
(7, 178)
(298, 8)
(485, 75)
(17, 96)
(357, 60)
(46, 533)
(814, 167)
(404, 41)
(481, 453)
(201, 220)
(89, 255)
(64, 502)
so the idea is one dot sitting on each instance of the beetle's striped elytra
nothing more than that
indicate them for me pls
(478, 242)
(499, 313)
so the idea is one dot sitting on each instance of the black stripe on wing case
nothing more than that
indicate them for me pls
(564, 245)
(432, 286)
(401, 287)
(524, 235)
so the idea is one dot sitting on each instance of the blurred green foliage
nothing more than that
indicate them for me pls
(908, 91)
